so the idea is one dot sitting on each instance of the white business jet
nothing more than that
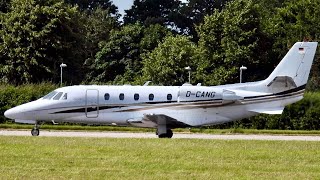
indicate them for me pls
(169, 107)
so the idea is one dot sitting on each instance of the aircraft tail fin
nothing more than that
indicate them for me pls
(293, 70)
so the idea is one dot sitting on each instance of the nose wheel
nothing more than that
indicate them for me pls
(35, 131)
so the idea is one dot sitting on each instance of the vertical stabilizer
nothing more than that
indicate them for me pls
(293, 70)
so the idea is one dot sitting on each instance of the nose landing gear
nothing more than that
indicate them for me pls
(35, 130)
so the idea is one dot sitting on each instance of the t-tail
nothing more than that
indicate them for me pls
(294, 69)
(286, 84)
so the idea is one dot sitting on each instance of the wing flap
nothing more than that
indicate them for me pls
(153, 120)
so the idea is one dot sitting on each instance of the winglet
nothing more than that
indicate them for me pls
(146, 83)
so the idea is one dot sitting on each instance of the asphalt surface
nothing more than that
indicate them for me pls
(152, 135)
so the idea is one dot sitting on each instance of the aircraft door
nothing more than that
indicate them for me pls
(92, 103)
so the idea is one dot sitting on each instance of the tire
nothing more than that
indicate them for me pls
(35, 132)
(169, 134)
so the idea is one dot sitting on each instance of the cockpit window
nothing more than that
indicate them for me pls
(57, 97)
(50, 95)
(65, 96)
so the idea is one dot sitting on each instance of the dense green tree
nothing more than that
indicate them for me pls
(193, 12)
(229, 39)
(36, 37)
(166, 64)
(91, 5)
(150, 12)
(97, 27)
(119, 58)
(297, 20)
(119, 52)
(4, 5)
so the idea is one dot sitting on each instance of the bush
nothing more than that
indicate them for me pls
(11, 96)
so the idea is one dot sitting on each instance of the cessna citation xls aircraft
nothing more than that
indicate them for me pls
(169, 107)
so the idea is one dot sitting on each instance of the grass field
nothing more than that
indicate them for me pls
(98, 158)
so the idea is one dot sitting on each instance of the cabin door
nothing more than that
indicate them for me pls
(92, 103)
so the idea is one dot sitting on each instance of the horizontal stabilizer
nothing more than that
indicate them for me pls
(277, 110)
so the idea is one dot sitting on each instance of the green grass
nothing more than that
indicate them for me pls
(99, 158)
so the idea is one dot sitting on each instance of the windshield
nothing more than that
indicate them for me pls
(57, 97)
(50, 95)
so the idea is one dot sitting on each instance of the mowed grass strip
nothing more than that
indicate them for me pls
(98, 158)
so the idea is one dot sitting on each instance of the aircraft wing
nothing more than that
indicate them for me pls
(276, 110)
(153, 120)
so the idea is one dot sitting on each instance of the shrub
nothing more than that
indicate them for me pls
(11, 96)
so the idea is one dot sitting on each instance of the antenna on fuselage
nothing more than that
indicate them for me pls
(147, 83)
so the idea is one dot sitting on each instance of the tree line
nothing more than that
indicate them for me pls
(154, 40)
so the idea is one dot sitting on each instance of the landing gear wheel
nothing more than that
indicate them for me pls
(169, 134)
(35, 132)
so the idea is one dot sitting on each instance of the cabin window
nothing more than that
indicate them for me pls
(58, 96)
(169, 97)
(151, 97)
(65, 96)
(136, 96)
(106, 96)
(50, 95)
(121, 96)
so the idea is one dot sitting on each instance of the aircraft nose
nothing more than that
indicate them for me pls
(24, 111)
(15, 113)
(11, 113)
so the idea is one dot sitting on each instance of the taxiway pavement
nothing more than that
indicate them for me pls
(152, 135)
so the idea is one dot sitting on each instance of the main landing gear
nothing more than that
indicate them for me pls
(35, 130)
(167, 134)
